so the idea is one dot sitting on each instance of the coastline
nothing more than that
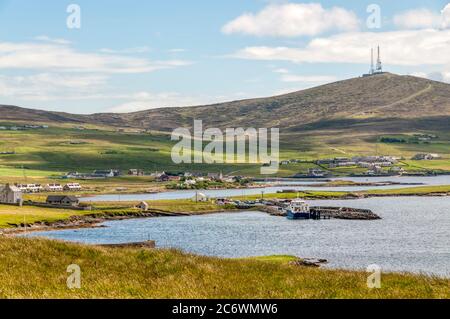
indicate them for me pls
(324, 183)
(93, 220)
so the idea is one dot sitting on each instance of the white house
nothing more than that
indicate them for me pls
(72, 187)
(215, 176)
(426, 157)
(200, 197)
(10, 195)
(105, 173)
(190, 182)
(34, 188)
(30, 188)
(53, 188)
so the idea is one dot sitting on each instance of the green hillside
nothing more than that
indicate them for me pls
(388, 98)
(347, 118)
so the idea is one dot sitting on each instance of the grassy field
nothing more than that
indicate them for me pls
(311, 195)
(13, 216)
(412, 190)
(47, 153)
(38, 269)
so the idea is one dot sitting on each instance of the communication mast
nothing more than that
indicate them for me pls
(379, 68)
(372, 69)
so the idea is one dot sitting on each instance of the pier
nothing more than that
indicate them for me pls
(324, 213)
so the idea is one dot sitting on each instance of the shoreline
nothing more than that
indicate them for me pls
(323, 184)
(348, 196)
(93, 220)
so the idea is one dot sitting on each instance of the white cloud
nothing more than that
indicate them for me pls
(44, 38)
(407, 48)
(418, 19)
(293, 19)
(423, 18)
(152, 100)
(290, 78)
(147, 100)
(281, 71)
(441, 76)
(51, 86)
(143, 49)
(446, 16)
(177, 50)
(63, 58)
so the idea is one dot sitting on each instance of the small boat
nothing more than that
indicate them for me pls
(298, 209)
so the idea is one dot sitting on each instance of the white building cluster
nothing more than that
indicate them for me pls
(38, 188)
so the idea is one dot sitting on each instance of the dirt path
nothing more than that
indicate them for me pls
(404, 100)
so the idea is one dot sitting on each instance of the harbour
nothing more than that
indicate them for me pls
(405, 240)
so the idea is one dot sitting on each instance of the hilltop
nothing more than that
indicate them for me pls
(390, 99)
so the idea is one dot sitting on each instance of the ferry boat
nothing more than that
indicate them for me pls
(298, 209)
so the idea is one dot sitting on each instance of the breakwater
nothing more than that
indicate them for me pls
(346, 213)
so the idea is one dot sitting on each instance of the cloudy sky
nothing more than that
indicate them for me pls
(133, 55)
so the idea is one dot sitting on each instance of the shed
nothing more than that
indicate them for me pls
(144, 206)
(200, 197)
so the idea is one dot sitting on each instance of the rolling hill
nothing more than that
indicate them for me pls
(382, 102)
(345, 118)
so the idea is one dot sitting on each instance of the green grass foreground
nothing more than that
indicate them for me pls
(38, 269)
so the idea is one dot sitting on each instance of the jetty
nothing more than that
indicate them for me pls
(344, 213)
(318, 213)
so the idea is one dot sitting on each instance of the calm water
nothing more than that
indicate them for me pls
(295, 185)
(413, 235)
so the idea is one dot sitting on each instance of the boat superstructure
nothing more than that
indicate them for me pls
(298, 209)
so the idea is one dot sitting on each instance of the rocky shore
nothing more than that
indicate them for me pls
(87, 221)
(309, 262)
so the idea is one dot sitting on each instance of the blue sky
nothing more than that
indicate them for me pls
(133, 55)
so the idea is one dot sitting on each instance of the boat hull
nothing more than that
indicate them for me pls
(296, 216)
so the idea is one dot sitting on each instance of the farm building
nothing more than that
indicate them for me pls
(215, 176)
(143, 206)
(200, 197)
(68, 201)
(136, 172)
(426, 157)
(10, 194)
(104, 173)
(163, 178)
